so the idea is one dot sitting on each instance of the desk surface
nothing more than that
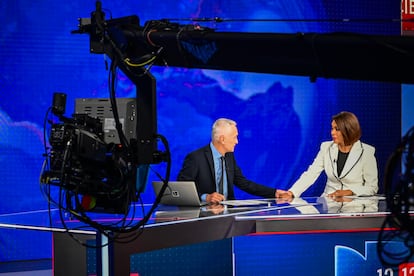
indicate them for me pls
(298, 208)
(170, 226)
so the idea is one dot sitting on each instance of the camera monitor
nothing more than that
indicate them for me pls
(101, 108)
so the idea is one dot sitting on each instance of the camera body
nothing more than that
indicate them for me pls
(83, 164)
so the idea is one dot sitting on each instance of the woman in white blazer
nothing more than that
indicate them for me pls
(350, 165)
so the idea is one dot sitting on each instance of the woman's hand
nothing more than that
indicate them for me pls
(338, 193)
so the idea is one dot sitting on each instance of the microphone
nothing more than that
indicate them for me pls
(334, 160)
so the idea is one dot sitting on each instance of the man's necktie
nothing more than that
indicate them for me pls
(221, 182)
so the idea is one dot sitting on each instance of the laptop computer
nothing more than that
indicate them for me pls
(178, 193)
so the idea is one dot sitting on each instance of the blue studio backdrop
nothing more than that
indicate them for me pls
(281, 119)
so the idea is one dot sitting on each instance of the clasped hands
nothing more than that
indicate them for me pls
(285, 195)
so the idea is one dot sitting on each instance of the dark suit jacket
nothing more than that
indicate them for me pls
(199, 167)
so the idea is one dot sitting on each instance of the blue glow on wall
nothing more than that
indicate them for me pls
(282, 119)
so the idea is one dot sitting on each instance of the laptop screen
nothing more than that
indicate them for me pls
(178, 193)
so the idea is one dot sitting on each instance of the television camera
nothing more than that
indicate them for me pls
(95, 173)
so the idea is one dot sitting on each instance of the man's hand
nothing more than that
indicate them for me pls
(214, 198)
(283, 194)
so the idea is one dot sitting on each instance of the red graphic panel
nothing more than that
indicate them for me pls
(406, 269)
(407, 16)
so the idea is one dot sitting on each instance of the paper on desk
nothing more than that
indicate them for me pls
(245, 202)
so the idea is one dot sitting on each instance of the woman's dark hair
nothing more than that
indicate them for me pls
(349, 126)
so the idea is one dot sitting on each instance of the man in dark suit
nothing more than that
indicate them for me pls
(204, 167)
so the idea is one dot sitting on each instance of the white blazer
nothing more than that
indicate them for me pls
(360, 172)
